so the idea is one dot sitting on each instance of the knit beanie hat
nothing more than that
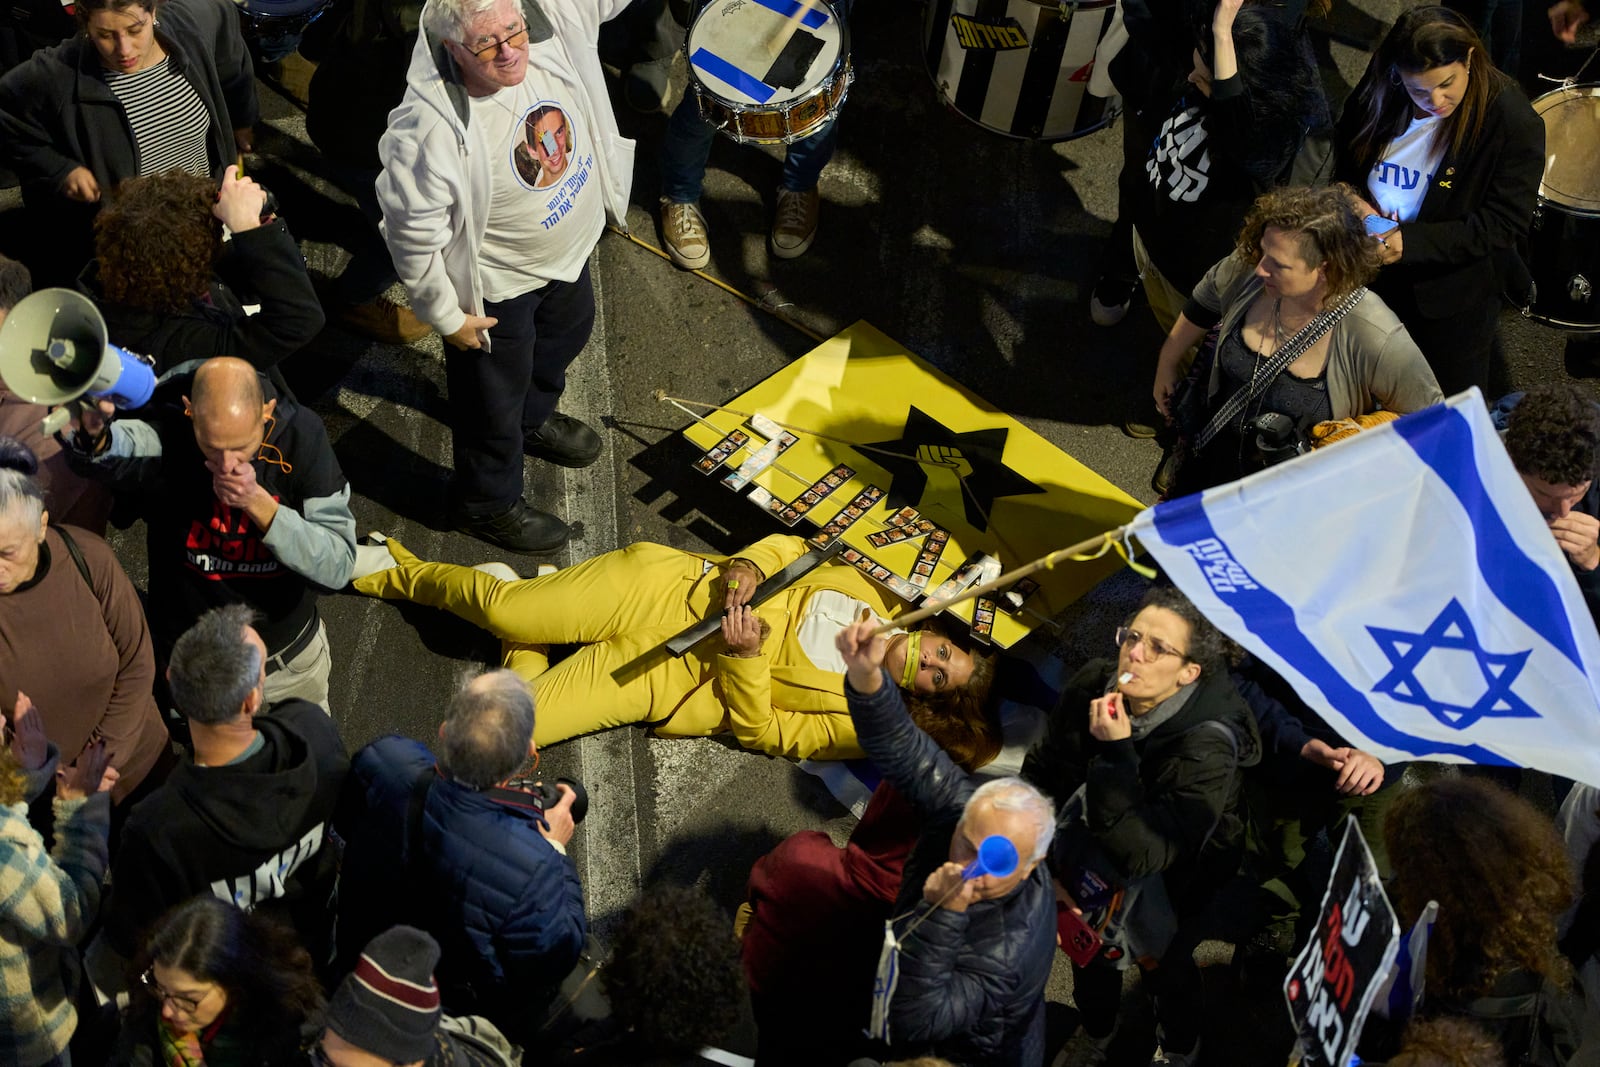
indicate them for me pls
(389, 1005)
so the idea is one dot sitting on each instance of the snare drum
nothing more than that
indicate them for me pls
(764, 77)
(1018, 67)
(1564, 244)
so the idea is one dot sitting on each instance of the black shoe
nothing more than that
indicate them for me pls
(564, 440)
(519, 528)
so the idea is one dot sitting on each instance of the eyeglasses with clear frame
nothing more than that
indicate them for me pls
(489, 51)
(1127, 637)
(187, 1005)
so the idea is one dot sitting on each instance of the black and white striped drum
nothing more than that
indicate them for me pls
(1018, 67)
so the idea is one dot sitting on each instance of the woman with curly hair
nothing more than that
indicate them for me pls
(220, 988)
(168, 284)
(1445, 145)
(1297, 333)
(1500, 873)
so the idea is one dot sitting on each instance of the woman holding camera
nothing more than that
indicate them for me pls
(1297, 334)
(1445, 145)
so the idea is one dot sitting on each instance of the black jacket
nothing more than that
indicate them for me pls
(203, 553)
(261, 266)
(57, 113)
(971, 983)
(254, 832)
(1479, 206)
(1152, 802)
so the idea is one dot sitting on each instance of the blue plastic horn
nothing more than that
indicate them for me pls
(997, 856)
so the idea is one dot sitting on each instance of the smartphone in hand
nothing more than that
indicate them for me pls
(1379, 227)
(1080, 941)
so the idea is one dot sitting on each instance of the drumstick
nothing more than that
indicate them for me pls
(786, 31)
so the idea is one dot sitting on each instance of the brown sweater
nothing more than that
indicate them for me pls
(83, 656)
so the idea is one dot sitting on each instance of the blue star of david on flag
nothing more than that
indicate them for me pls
(1451, 630)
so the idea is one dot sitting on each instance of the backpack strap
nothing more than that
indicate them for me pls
(75, 553)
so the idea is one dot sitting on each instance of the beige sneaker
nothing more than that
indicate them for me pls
(683, 230)
(795, 226)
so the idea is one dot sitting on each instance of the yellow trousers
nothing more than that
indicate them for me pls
(620, 606)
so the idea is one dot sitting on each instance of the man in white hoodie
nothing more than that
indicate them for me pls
(500, 168)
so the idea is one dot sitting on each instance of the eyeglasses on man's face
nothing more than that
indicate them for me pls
(489, 51)
(1128, 637)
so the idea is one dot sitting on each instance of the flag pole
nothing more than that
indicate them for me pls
(1102, 541)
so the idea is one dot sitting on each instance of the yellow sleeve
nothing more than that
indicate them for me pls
(758, 726)
(772, 554)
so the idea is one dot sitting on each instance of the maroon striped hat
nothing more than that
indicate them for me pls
(389, 1005)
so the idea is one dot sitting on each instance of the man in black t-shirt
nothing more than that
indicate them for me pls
(244, 503)
(247, 818)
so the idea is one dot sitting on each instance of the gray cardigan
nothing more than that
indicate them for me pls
(1372, 361)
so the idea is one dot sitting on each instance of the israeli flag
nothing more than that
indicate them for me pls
(1405, 584)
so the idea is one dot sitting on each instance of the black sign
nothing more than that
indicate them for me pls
(1336, 977)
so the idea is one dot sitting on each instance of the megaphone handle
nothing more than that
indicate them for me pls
(57, 420)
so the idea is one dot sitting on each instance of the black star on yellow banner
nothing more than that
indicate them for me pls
(862, 400)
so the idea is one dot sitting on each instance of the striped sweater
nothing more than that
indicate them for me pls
(47, 901)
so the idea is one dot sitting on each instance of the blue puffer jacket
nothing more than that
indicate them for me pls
(971, 985)
(505, 906)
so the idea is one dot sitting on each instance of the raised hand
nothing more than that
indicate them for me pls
(28, 742)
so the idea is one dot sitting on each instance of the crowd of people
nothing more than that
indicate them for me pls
(195, 869)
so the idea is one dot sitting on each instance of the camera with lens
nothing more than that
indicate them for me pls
(545, 795)
(1277, 437)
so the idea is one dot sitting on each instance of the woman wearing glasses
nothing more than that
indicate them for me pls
(220, 988)
(1155, 740)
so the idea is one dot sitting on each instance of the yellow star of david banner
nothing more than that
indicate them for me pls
(915, 474)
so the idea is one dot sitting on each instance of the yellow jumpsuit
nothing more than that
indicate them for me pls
(621, 607)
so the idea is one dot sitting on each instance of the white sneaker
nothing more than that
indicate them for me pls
(499, 570)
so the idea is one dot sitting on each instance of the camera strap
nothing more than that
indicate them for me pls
(1292, 349)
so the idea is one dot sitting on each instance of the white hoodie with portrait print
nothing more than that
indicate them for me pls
(435, 192)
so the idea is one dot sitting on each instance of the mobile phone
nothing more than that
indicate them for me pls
(1080, 941)
(1378, 226)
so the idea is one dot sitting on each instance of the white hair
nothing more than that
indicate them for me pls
(447, 19)
(1014, 794)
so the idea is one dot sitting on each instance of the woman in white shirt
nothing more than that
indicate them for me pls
(1447, 147)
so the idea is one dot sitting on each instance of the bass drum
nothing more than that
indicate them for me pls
(1020, 68)
(1564, 244)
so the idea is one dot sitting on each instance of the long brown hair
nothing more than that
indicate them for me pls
(1327, 229)
(1422, 39)
(1501, 876)
(962, 721)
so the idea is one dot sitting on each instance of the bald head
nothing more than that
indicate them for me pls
(229, 414)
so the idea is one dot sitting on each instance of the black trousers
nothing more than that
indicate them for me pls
(499, 395)
(1175, 985)
(1457, 347)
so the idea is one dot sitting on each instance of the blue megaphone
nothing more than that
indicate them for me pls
(997, 856)
(53, 349)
